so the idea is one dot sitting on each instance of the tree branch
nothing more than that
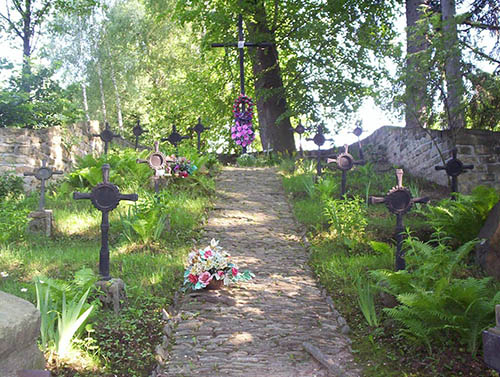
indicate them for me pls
(480, 53)
(480, 25)
(12, 25)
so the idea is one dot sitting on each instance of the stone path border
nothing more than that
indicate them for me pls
(262, 327)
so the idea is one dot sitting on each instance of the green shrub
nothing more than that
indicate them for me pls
(10, 184)
(300, 185)
(13, 219)
(436, 304)
(461, 220)
(347, 219)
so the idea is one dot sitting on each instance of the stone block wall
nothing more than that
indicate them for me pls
(22, 150)
(417, 151)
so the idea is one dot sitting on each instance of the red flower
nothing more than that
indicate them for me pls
(193, 278)
(234, 271)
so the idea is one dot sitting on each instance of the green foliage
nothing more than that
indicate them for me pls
(10, 184)
(347, 219)
(436, 303)
(366, 301)
(246, 160)
(461, 220)
(299, 185)
(13, 218)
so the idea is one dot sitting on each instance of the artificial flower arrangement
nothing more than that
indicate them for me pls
(242, 132)
(181, 166)
(212, 263)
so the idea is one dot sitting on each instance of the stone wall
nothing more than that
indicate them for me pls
(418, 151)
(22, 150)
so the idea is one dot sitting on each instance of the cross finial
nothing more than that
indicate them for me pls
(399, 176)
(105, 173)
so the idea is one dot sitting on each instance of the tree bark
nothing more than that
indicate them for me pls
(454, 84)
(416, 97)
(118, 102)
(101, 89)
(85, 102)
(275, 128)
(26, 36)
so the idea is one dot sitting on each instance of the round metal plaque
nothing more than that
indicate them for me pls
(105, 197)
(454, 167)
(43, 173)
(345, 162)
(107, 135)
(157, 160)
(357, 131)
(138, 130)
(398, 200)
(174, 138)
(319, 139)
(199, 128)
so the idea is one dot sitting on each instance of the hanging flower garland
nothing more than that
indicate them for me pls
(242, 132)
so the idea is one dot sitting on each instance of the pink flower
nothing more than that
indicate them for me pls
(205, 278)
(220, 273)
(208, 253)
(234, 271)
(193, 278)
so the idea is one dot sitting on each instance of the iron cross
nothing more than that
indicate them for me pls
(358, 130)
(138, 131)
(345, 162)
(398, 201)
(454, 167)
(300, 129)
(199, 128)
(106, 136)
(158, 162)
(42, 174)
(241, 44)
(105, 196)
(319, 139)
(175, 138)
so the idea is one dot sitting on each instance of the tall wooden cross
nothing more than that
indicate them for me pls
(175, 138)
(398, 201)
(107, 136)
(138, 131)
(199, 128)
(105, 196)
(454, 167)
(42, 174)
(241, 44)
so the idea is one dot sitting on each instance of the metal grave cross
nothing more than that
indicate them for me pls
(300, 129)
(398, 201)
(345, 162)
(105, 196)
(138, 131)
(43, 173)
(241, 44)
(199, 128)
(106, 136)
(175, 138)
(358, 130)
(319, 139)
(454, 167)
(158, 162)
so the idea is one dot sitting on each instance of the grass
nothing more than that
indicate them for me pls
(339, 264)
(111, 345)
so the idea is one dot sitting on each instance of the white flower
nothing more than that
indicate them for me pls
(214, 243)
(4, 274)
(24, 289)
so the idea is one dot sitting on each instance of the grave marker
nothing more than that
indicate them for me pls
(398, 201)
(199, 128)
(319, 139)
(345, 162)
(105, 196)
(454, 167)
(43, 174)
(158, 162)
(491, 343)
(300, 129)
(138, 131)
(106, 136)
(175, 138)
(358, 130)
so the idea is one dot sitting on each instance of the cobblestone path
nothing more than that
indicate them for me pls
(256, 328)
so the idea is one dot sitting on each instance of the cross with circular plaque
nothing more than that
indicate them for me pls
(175, 138)
(319, 139)
(106, 136)
(300, 129)
(138, 131)
(105, 196)
(358, 130)
(199, 128)
(42, 174)
(454, 167)
(398, 201)
(345, 162)
(158, 162)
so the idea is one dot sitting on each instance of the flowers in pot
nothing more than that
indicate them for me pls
(212, 265)
(181, 166)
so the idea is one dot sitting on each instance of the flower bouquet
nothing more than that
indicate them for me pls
(212, 265)
(181, 166)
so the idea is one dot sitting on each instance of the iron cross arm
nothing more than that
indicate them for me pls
(44, 172)
(454, 167)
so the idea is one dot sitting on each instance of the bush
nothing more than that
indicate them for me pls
(13, 219)
(10, 184)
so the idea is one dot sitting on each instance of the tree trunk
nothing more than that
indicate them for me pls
(275, 128)
(101, 88)
(85, 102)
(118, 102)
(27, 35)
(454, 84)
(417, 67)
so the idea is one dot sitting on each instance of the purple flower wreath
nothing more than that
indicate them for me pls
(242, 132)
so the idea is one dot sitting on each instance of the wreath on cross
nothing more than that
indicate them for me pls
(242, 132)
